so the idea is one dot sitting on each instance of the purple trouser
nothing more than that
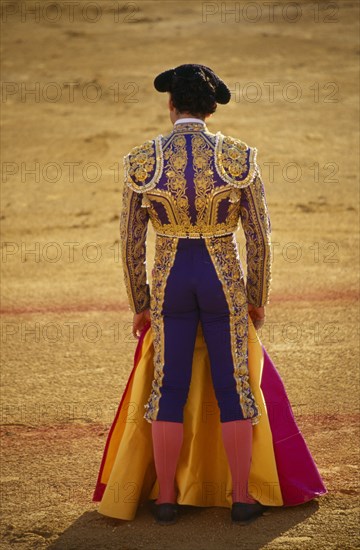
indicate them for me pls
(194, 293)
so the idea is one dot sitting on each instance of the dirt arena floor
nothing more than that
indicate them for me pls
(77, 94)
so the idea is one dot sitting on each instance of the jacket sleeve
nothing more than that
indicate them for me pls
(256, 224)
(133, 231)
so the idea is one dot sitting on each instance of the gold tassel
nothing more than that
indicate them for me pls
(234, 195)
(145, 201)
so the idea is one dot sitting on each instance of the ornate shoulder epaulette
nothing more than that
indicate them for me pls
(143, 165)
(235, 161)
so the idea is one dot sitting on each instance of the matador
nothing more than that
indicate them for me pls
(196, 187)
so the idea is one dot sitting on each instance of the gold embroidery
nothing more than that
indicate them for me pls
(174, 152)
(203, 177)
(177, 231)
(235, 164)
(226, 260)
(257, 229)
(133, 230)
(176, 155)
(235, 161)
(214, 205)
(164, 198)
(165, 251)
(143, 165)
(190, 127)
(232, 158)
(208, 227)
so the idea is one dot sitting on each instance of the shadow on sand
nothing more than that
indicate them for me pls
(196, 528)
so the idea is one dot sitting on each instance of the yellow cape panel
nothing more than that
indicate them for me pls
(203, 476)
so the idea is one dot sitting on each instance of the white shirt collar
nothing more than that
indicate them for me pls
(186, 120)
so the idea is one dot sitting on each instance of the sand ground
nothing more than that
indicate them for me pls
(77, 95)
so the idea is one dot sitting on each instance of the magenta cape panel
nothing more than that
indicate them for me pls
(299, 478)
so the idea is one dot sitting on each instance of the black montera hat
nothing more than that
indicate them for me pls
(163, 81)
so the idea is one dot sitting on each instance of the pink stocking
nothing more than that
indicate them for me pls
(237, 437)
(167, 440)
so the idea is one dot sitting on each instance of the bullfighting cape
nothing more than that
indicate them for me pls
(283, 472)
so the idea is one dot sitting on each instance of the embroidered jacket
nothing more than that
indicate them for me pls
(193, 183)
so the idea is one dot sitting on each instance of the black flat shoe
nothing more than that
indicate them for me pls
(244, 512)
(165, 513)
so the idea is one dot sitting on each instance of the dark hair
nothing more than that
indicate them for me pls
(194, 88)
(194, 95)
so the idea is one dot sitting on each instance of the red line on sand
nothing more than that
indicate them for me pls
(66, 308)
(324, 295)
(66, 431)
